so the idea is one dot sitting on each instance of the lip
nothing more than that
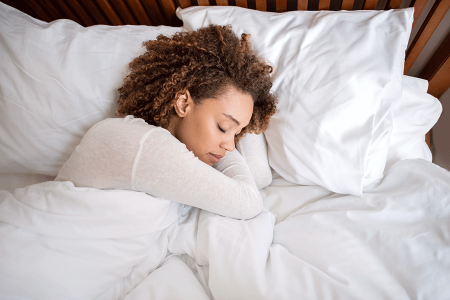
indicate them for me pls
(215, 158)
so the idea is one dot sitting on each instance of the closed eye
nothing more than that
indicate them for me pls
(224, 130)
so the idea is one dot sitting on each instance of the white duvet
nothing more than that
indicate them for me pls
(58, 241)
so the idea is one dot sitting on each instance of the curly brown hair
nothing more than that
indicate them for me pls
(205, 62)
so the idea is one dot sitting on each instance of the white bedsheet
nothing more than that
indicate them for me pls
(62, 242)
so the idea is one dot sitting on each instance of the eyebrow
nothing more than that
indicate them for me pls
(231, 117)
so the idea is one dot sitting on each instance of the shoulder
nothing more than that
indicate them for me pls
(122, 123)
(125, 128)
(131, 130)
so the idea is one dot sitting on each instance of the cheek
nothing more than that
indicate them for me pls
(210, 134)
(202, 135)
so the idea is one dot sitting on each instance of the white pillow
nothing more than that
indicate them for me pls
(56, 81)
(414, 115)
(337, 77)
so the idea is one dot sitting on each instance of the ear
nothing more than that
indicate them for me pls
(182, 103)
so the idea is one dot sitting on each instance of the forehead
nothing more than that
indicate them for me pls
(231, 103)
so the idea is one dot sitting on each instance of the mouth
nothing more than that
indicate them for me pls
(215, 158)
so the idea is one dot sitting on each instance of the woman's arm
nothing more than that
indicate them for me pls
(130, 154)
(172, 172)
(253, 148)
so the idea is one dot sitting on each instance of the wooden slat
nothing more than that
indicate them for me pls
(381, 4)
(302, 4)
(68, 12)
(154, 11)
(358, 4)
(86, 20)
(281, 5)
(110, 13)
(94, 12)
(139, 12)
(324, 4)
(261, 5)
(437, 60)
(24, 7)
(124, 12)
(393, 4)
(39, 11)
(203, 2)
(185, 3)
(51, 11)
(222, 2)
(418, 5)
(431, 22)
(370, 4)
(440, 82)
(347, 4)
(170, 8)
(406, 3)
(242, 3)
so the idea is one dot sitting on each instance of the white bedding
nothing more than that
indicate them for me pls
(63, 242)
(58, 241)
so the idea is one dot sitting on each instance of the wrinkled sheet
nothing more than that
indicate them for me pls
(62, 242)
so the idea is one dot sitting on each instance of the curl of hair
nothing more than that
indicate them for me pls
(205, 62)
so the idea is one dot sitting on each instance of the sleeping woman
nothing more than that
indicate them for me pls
(184, 104)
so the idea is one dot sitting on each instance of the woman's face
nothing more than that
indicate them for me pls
(209, 129)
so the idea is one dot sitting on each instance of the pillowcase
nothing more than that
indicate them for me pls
(337, 76)
(56, 81)
(414, 115)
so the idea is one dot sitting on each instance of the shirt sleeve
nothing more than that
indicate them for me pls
(253, 148)
(167, 169)
(128, 153)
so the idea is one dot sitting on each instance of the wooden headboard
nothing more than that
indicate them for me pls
(162, 12)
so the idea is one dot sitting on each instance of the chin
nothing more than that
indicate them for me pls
(207, 162)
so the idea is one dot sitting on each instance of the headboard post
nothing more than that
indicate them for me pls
(430, 24)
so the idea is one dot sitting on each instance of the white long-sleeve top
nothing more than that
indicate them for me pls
(128, 153)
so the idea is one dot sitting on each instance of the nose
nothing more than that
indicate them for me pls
(228, 144)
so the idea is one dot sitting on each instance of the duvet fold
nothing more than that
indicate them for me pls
(63, 242)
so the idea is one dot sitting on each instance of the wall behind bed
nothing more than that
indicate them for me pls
(428, 54)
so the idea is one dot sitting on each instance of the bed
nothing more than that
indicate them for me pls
(355, 208)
